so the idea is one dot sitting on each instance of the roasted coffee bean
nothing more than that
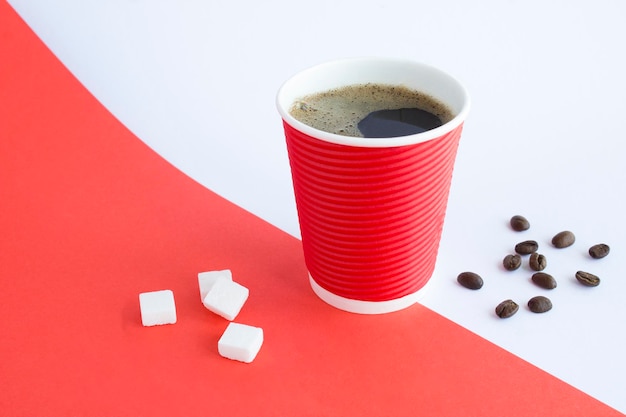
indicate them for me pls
(587, 279)
(470, 280)
(563, 239)
(519, 223)
(599, 251)
(526, 247)
(544, 280)
(537, 262)
(506, 309)
(512, 262)
(539, 304)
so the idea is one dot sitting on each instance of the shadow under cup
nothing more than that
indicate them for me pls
(371, 211)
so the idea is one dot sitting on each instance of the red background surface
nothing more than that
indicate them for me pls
(91, 217)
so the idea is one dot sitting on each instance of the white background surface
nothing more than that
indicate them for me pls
(544, 137)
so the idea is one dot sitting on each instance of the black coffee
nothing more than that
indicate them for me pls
(371, 111)
(398, 122)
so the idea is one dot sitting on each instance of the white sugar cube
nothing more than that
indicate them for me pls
(157, 307)
(240, 342)
(226, 298)
(207, 279)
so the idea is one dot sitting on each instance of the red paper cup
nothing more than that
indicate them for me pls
(371, 211)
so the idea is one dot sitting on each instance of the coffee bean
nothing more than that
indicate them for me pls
(599, 251)
(537, 262)
(470, 280)
(563, 239)
(539, 304)
(587, 279)
(526, 247)
(519, 223)
(544, 280)
(512, 262)
(506, 309)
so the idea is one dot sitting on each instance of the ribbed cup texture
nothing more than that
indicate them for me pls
(371, 218)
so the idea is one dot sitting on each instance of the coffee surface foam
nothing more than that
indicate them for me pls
(339, 110)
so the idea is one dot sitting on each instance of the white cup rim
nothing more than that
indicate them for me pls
(338, 73)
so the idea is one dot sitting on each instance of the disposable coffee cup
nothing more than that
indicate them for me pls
(371, 211)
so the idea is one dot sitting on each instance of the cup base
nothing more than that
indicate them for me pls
(366, 307)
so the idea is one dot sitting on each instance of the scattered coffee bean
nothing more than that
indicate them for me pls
(470, 280)
(563, 239)
(526, 247)
(587, 279)
(537, 262)
(539, 304)
(544, 280)
(506, 309)
(512, 262)
(599, 251)
(519, 223)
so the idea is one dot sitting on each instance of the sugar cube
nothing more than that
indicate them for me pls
(226, 298)
(240, 342)
(207, 279)
(157, 307)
